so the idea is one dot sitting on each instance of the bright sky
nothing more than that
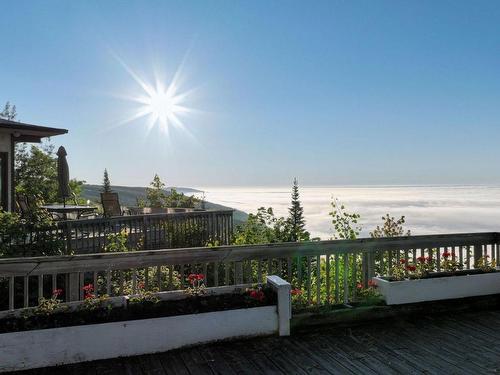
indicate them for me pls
(333, 92)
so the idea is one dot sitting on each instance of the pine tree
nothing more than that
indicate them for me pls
(106, 185)
(296, 221)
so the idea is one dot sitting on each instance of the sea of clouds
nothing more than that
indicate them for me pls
(428, 209)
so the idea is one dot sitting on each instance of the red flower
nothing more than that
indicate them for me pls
(89, 296)
(57, 292)
(446, 254)
(421, 259)
(296, 292)
(411, 267)
(359, 286)
(89, 288)
(372, 283)
(428, 259)
(195, 276)
(402, 261)
(257, 295)
(141, 285)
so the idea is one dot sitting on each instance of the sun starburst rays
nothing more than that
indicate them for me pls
(161, 105)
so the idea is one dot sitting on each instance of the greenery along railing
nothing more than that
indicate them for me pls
(155, 231)
(327, 272)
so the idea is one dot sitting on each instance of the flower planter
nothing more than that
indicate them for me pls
(438, 288)
(57, 346)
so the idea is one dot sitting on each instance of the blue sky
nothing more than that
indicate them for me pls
(334, 92)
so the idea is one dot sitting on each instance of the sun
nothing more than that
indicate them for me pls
(161, 104)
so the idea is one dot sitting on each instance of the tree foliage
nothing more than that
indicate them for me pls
(157, 197)
(35, 235)
(345, 224)
(261, 227)
(390, 228)
(36, 173)
(9, 112)
(296, 222)
(106, 184)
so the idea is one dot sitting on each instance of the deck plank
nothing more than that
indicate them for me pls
(462, 343)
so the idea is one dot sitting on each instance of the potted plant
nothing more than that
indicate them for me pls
(100, 327)
(420, 281)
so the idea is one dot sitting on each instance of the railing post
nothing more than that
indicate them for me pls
(145, 234)
(478, 253)
(67, 232)
(74, 287)
(282, 288)
(366, 268)
(238, 273)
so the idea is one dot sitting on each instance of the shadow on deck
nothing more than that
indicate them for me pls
(451, 343)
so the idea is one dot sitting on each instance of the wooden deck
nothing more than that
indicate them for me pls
(461, 343)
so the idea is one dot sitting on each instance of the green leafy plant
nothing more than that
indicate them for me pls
(34, 235)
(399, 269)
(345, 224)
(117, 242)
(424, 266)
(144, 296)
(390, 228)
(297, 296)
(369, 295)
(92, 301)
(48, 306)
(485, 265)
(448, 264)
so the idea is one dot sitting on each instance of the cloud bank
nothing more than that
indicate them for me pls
(428, 209)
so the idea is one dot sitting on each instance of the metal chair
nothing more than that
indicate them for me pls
(111, 205)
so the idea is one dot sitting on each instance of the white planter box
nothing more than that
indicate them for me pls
(57, 346)
(439, 288)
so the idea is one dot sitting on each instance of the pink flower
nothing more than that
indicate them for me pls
(57, 292)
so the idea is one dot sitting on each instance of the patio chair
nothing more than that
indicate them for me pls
(111, 205)
(23, 204)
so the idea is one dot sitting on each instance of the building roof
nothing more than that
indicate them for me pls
(28, 132)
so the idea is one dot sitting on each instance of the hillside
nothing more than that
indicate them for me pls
(129, 194)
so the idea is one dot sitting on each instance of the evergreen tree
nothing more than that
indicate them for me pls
(296, 222)
(106, 185)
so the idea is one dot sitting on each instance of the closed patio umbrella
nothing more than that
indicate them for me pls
(63, 174)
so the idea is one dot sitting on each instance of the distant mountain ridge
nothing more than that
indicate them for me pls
(129, 194)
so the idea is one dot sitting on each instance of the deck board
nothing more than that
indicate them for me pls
(462, 343)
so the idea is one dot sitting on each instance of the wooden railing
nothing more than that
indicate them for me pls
(327, 271)
(147, 232)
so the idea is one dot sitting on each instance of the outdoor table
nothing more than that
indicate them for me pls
(69, 209)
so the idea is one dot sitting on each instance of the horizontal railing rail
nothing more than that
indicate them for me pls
(326, 271)
(151, 231)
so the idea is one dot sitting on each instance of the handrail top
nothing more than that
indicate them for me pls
(318, 247)
(142, 216)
